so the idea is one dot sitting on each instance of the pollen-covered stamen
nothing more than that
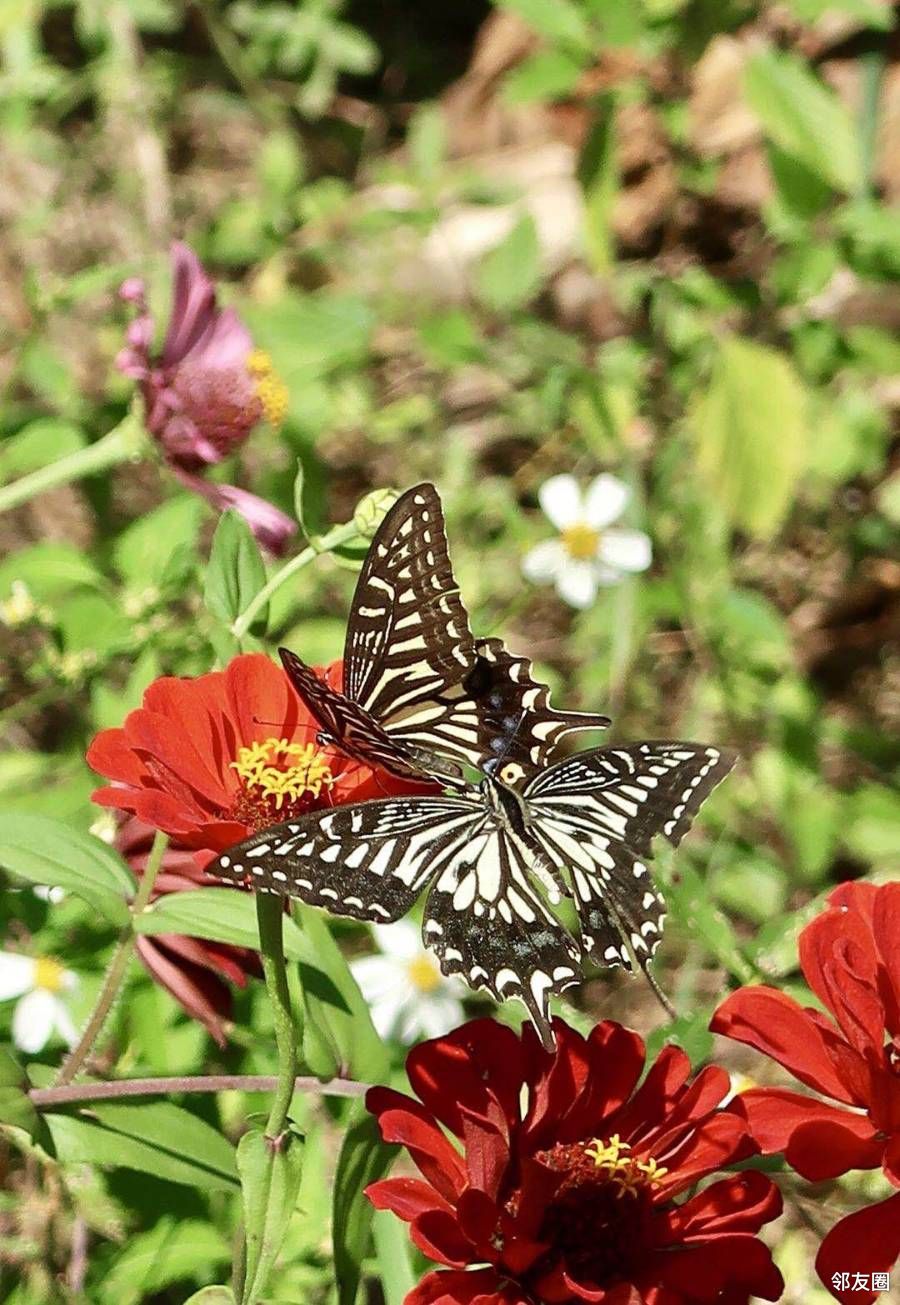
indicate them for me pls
(588, 1224)
(279, 780)
(270, 388)
(581, 542)
(49, 974)
(424, 974)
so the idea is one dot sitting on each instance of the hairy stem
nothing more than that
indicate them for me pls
(335, 538)
(45, 1098)
(122, 444)
(270, 916)
(118, 968)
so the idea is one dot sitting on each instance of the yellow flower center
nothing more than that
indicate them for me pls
(49, 974)
(581, 541)
(626, 1173)
(283, 771)
(424, 975)
(270, 388)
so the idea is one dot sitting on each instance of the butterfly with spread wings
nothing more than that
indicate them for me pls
(496, 859)
(421, 696)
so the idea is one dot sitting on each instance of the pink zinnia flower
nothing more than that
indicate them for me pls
(206, 391)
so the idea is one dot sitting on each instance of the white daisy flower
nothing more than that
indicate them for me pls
(38, 983)
(407, 995)
(590, 551)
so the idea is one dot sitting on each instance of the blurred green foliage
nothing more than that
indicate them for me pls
(656, 238)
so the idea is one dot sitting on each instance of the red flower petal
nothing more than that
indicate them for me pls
(739, 1203)
(718, 1140)
(438, 1235)
(776, 1025)
(403, 1120)
(478, 1066)
(886, 930)
(482, 1287)
(202, 996)
(707, 1269)
(781, 1120)
(839, 963)
(865, 1242)
(407, 1198)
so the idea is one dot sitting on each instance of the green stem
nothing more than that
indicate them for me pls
(270, 915)
(122, 444)
(118, 967)
(335, 538)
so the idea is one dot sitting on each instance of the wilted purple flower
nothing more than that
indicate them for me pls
(207, 389)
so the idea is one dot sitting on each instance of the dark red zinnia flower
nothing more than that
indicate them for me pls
(213, 759)
(206, 390)
(197, 972)
(564, 1185)
(850, 957)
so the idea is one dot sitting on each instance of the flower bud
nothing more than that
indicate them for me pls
(371, 510)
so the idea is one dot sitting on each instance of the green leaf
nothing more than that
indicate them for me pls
(546, 75)
(236, 572)
(394, 1260)
(37, 445)
(173, 1250)
(212, 1296)
(156, 1138)
(16, 1109)
(750, 428)
(48, 570)
(270, 1181)
(872, 828)
(219, 914)
(690, 902)
(559, 21)
(143, 552)
(510, 274)
(364, 1158)
(91, 621)
(426, 141)
(599, 177)
(47, 851)
(804, 118)
(309, 336)
(333, 1002)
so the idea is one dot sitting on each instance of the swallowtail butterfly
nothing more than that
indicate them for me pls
(495, 860)
(421, 695)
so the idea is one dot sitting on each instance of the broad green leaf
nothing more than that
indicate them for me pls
(16, 1109)
(872, 829)
(750, 428)
(46, 851)
(599, 177)
(212, 1296)
(690, 902)
(111, 702)
(219, 914)
(270, 1181)
(157, 1138)
(144, 550)
(394, 1259)
(868, 13)
(510, 274)
(174, 1249)
(804, 118)
(774, 949)
(37, 445)
(236, 572)
(48, 570)
(364, 1158)
(333, 1001)
(754, 887)
(309, 336)
(92, 622)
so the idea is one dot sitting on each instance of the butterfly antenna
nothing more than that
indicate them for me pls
(659, 994)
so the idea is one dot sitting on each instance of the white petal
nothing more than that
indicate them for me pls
(627, 550)
(378, 977)
(605, 501)
(16, 975)
(560, 497)
(439, 1015)
(65, 1026)
(576, 583)
(545, 561)
(402, 940)
(34, 1020)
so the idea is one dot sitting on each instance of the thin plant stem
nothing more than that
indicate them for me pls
(72, 1094)
(118, 968)
(270, 916)
(123, 443)
(334, 539)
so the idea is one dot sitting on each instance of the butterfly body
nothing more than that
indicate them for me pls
(495, 860)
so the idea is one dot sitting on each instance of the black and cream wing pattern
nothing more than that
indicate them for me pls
(495, 862)
(420, 694)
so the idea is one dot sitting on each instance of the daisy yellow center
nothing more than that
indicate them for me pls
(49, 974)
(424, 975)
(624, 1172)
(581, 541)
(270, 388)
